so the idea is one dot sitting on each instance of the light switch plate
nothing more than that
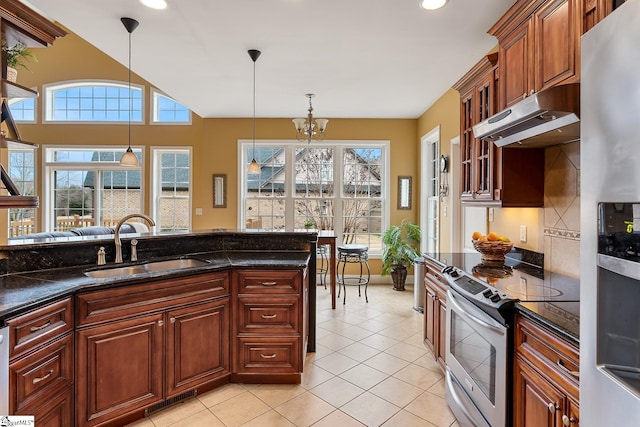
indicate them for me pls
(198, 211)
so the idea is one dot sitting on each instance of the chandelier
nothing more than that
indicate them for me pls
(308, 129)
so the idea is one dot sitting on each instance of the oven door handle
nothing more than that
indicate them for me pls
(484, 324)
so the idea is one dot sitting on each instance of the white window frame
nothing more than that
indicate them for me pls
(49, 167)
(338, 197)
(156, 186)
(35, 109)
(155, 94)
(47, 103)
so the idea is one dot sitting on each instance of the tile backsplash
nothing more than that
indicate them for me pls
(561, 232)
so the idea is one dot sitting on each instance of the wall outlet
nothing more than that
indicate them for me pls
(490, 214)
(523, 233)
(198, 211)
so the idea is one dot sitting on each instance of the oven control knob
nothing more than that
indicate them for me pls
(487, 293)
(495, 298)
(454, 273)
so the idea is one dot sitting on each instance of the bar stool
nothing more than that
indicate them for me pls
(353, 254)
(322, 264)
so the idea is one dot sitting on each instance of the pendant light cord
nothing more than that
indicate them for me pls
(254, 109)
(130, 98)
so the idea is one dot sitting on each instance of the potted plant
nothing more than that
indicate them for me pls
(308, 224)
(401, 247)
(16, 57)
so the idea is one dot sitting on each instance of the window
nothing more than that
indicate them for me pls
(93, 102)
(22, 173)
(87, 186)
(337, 186)
(23, 109)
(172, 188)
(166, 110)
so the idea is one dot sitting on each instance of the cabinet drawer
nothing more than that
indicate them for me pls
(41, 374)
(268, 315)
(119, 303)
(550, 354)
(268, 282)
(275, 355)
(39, 326)
(55, 411)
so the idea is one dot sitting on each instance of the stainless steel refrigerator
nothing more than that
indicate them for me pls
(610, 221)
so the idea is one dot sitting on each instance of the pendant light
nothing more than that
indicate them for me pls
(254, 167)
(129, 158)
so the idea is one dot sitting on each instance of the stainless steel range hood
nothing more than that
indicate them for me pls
(546, 118)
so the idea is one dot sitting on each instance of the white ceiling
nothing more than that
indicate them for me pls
(362, 58)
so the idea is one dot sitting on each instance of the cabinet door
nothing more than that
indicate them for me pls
(483, 153)
(442, 334)
(430, 313)
(557, 44)
(536, 402)
(119, 368)
(467, 120)
(515, 60)
(571, 416)
(197, 345)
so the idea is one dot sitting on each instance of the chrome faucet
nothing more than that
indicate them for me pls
(117, 232)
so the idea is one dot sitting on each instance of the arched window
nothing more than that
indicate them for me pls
(166, 110)
(23, 109)
(93, 102)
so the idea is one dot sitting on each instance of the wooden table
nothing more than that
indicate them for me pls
(328, 237)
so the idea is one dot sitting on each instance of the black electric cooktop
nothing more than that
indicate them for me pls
(516, 278)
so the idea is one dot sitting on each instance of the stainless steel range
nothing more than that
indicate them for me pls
(479, 341)
(477, 350)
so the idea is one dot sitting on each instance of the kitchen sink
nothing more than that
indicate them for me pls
(147, 267)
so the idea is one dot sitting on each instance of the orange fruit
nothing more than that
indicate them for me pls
(476, 235)
(493, 237)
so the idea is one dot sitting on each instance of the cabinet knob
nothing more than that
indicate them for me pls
(552, 407)
(160, 322)
(568, 421)
(172, 320)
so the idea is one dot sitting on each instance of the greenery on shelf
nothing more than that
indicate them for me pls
(17, 55)
(401, 246)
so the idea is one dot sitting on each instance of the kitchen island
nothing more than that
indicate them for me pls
(243, 310)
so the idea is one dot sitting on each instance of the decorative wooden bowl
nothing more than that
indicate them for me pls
(492, 251)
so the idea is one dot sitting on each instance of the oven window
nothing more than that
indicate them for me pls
(476, 355)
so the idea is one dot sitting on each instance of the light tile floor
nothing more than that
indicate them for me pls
(370, 368)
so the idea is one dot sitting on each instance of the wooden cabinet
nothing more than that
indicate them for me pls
(492, 176)
(19, 24)
(539, 47)
(41, 355)
(478, 102)
(546, 377)
(270, 329)
(595, 11)
(435, 313)
(140, 345)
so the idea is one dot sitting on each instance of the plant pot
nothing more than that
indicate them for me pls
(12, 74)
(399, 276)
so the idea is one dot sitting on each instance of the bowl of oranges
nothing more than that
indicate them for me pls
(493, 246)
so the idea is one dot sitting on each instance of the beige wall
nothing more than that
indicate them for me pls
(214, 141)
(445, 113)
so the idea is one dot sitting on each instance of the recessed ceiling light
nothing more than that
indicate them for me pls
(154, 4)
(432, 4)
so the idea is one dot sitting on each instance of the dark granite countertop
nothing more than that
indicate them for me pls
(22, 291)
(558, 307)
